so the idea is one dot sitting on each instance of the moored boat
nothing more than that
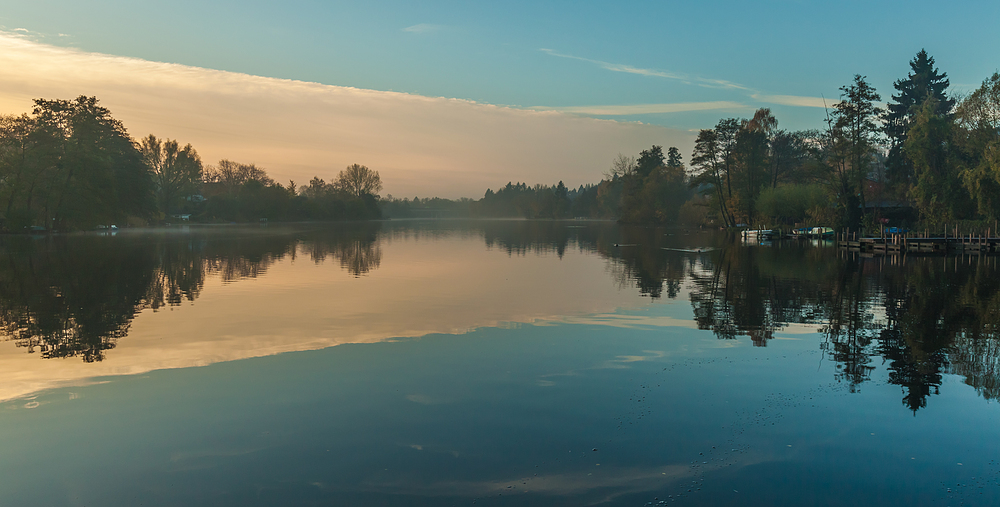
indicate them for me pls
(757, 234)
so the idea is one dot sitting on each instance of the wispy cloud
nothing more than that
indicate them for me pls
(795, 100)
(785, 100)
(27, 34)
(422, 28)
(629, 69)
(639, 109)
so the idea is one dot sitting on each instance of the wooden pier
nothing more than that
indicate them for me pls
(895, 244)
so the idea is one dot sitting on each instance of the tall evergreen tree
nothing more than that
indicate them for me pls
(649, 160)
(923, 82)
(707, 162)
(674, 158)
(852, 140)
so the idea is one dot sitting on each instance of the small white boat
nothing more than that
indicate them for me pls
(822, 232)
(757, 234)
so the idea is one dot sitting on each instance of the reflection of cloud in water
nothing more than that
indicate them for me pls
(544, 382)
(619, 363)
(433, 449)
(631, 321)
(622, 361)
(600, 484)
(424, 399)
(206, 458)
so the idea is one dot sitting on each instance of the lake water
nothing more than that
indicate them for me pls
(491, 363)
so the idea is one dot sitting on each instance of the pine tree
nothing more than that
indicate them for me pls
(853, 139)
(674, 158)
(923, 82)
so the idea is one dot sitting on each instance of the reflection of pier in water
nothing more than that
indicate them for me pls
(973, 243)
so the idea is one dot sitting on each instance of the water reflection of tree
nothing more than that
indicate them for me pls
(636, 253)
(755, 291)
(640, 259)
(920, 318)
(356, 246)
(76, 296)
(937, 314)
(520, 237)
(848, 324)
(70, 296)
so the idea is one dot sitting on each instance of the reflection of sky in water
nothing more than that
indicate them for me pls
(565, 390)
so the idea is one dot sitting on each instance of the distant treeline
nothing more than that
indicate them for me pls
(71, 165)
(651, 189)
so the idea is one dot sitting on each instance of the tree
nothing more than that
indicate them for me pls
(316, 189)
(91, 170)
(740, 157)
(707, 161)
(726, 131)
(923, 82)
(649, 160)
(16, 157)
(621, 166)
(656, 190)
(790, 153)
(978, 136)
(936, 187)
(231, 176)
(359, 181)
(674, 158)
(751, 152)
(853, 137)
(176, 171)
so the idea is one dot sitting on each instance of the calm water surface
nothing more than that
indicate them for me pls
(491, 363)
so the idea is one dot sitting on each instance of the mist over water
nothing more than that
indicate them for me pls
(495, 363)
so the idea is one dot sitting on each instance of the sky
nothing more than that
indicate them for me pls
(448, 98)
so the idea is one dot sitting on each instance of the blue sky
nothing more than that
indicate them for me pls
(677, 65)
(494, 52)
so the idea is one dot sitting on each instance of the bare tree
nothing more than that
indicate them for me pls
(232, 175)
(358, 180)
(621, 166)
